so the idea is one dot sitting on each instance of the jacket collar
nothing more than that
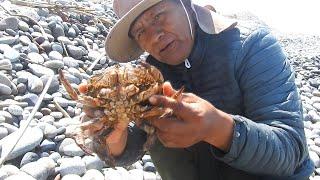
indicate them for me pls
(199, 48)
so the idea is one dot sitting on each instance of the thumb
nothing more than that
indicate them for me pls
(168, 89)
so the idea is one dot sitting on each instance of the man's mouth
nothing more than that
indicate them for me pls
(166, 47)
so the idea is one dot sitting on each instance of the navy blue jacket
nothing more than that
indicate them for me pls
(249, 77)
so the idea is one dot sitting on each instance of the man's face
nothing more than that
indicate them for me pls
(164, 32)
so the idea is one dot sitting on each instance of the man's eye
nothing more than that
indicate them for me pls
(157, 17)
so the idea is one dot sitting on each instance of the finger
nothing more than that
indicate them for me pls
(121, 125)
(167, 140)
(189, 98)
(169, 124)
(83, 88)
(115, 136)
(168, 89)
(167, 102)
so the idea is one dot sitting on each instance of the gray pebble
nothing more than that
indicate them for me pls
(56, 115)
(54, 86)
(92, 29)
(39, 70)
(20, 176)
(72, 79)
(72, 32)
(50, 131)
(149, 166)
(4, 79)
(57, 47)
(32, 138)
(64, 102)
(3, 132)
(93, 174)
(9, 23)
(119, 172)
(35, 58)
(54, 64)
(55, 156)
(149, 176)
(71, 111)
(24, 40)
(71, 177)
(70, 62)
(69, 147)
(40, 39)
(93, 162)
(72, 166)
(57, 31)
(14, 89)
(8, 170)
(15, 110)
(5, 64)
(11, 32)
(28, 158)
(44, 154)
(75, 52)
(21, 88)
(65, 40)
(45, 168)
(317, 106)
(59, 138)
(45, 111)
(12, 54)
(47, 145)
(8, 40)
(36, 34)
(23, 26)
(8, 117)
(146, 158)
(33, 48)
(30, 98)
(46, 46)
(35, 84)
(55, 55)
(136, 174)
(9, 127)
(23, 76)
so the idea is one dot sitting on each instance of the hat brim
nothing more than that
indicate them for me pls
(119, 46)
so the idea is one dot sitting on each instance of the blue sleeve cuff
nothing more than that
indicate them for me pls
(239, 136)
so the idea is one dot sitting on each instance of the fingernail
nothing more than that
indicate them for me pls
(152, 100)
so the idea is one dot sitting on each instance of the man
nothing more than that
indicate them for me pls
(242, 115)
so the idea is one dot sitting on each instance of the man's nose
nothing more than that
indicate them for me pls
(155, 33)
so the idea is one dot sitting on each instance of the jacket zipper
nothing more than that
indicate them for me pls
(188, 77)
(187, 64)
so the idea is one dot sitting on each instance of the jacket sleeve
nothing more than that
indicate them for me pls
(269, 138)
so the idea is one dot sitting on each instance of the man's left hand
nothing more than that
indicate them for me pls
(194, 119)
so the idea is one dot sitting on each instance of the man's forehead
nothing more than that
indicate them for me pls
(149, 12)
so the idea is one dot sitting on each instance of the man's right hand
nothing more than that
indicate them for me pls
(117, 139)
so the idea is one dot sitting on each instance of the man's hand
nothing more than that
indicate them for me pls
(194, 120)
(117, 139)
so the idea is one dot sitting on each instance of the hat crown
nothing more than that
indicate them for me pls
(121, 7)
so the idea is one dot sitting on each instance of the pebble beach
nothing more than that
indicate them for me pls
(36, 42)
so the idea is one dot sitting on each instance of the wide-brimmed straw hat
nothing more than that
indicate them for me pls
(120, 47)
